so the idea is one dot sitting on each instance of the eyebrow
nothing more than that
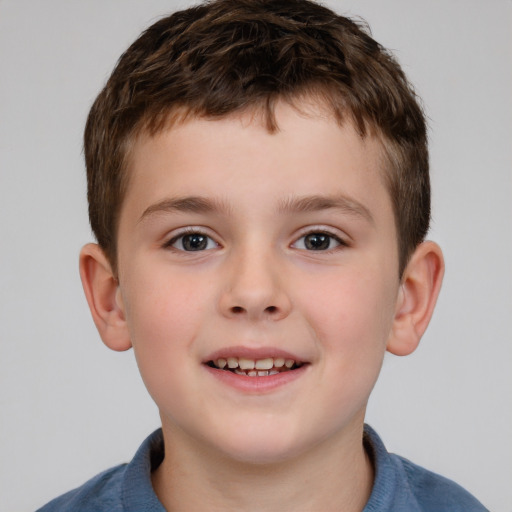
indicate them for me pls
(190, 204)
(303, 204)
(317, 203)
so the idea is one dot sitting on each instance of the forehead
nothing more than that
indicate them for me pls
(268, 115)
(310, 152)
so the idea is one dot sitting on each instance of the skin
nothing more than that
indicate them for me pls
(257, 285)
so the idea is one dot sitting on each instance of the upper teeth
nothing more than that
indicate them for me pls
(252, 364)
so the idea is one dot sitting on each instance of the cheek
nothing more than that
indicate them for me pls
(163, 323)
(161, 306)
(353, 311)
(351, 317)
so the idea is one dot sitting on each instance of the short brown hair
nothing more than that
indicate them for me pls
(226, 56)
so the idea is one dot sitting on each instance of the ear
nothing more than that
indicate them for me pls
(417, 297)
(104, 298)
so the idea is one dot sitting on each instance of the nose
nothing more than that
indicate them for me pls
(254, 288)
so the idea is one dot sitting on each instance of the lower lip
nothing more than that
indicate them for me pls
(256, 385)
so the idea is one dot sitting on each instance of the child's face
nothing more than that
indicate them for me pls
(234, 242)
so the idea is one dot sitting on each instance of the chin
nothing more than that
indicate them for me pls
(261, 444)
(255, 454)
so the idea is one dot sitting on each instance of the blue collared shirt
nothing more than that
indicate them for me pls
(399, 485)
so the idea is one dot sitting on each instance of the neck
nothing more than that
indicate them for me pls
(335, 475)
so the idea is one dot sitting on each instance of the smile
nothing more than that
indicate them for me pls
(255, 367)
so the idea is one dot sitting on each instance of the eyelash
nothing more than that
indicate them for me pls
(195, 231)
(188, 232)
(331, 236)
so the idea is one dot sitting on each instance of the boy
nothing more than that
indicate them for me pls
(258, 186)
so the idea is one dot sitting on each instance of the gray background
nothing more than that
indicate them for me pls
(70, 407)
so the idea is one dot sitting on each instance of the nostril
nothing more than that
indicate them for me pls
(271, 309)
(237, 309)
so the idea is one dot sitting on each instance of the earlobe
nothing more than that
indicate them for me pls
(104, 298)
(419, 289)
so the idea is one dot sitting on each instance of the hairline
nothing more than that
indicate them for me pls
(316, 104)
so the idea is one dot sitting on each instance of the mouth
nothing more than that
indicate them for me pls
(264, 367)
